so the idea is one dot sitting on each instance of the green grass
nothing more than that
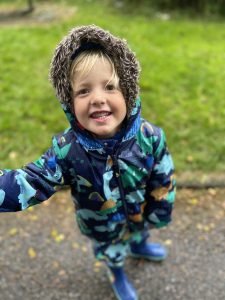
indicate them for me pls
(182, 83)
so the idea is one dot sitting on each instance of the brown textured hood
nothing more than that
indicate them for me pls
(124, 59)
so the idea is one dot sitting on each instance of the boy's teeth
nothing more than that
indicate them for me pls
(100, 114)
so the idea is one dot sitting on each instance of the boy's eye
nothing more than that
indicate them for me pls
(110, 87)
(82, 92)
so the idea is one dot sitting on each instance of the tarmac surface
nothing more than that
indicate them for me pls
(43, 256)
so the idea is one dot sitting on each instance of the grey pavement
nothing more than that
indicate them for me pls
(43, 256)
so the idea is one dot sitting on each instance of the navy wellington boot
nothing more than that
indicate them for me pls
(122, 288)
(150, 251)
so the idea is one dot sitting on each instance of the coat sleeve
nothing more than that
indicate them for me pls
(32, 184)
(160, 192)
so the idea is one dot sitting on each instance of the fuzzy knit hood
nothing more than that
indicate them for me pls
(124, 59)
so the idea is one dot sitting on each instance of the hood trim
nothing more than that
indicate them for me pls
(125, 61)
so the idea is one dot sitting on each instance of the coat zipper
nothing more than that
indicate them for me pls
(117, 171)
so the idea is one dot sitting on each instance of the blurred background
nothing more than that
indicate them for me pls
(181, 47)
(179, 43)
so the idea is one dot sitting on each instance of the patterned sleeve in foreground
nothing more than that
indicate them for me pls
(161, 186)
(30, 185)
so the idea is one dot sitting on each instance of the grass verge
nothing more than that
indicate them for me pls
(182, 80)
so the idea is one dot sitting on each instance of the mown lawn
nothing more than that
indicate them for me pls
(182, 82)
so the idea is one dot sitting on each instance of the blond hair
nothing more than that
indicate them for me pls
(86, 60)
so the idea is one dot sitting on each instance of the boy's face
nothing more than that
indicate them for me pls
(98, 105)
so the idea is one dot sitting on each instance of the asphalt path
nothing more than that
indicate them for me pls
(43, 256)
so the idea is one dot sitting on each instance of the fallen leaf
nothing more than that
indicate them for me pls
(54, 233)
(190, 158)
(55, 264)
(202, 238)
(13, 155)
(168, 242)
(212, 191)
(96, 270)
(33, 217)
(69, 209)
(76, 245)
(193, 201)
(188, 209)
(57, 236)
(84, 249)
(32, 253)
(206, 228)
(62, 273)
(98, 264)
(13, 231)
(199, 226)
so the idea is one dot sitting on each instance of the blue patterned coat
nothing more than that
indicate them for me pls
(116, 184)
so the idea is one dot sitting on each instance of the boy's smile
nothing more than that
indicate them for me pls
(99, 105)
(100, 116)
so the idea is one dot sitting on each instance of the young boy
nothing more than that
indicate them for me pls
(116, 163)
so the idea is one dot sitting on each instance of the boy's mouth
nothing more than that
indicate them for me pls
(100, 114)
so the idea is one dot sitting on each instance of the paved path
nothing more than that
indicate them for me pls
(43, 257)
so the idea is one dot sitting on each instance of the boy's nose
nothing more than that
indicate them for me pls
(98, 98)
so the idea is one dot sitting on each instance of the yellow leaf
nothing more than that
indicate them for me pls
(193, 201)
(69, 209)
(168, 242)
(33, 217)
(98, 264)
(13, 155)
(54, 233)
(199, 226)
(96, 270)
(32, 253)
(13, 231)
(212, 191)
(190, 158)
(202, 238)
(55, 264)
(62, 273)
(84, 249)
(56, 236)
(206, 228)
(76, 246)
(59, 238)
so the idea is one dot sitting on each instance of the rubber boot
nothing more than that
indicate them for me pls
(122, 288)
(150, 251)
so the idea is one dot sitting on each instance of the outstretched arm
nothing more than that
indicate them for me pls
(30, 185)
